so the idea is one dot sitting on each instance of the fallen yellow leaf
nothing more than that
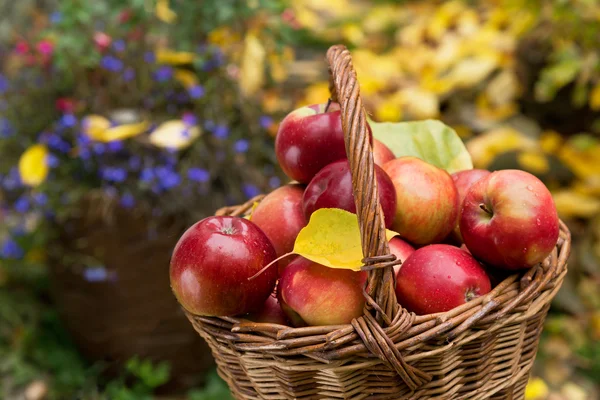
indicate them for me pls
(167, 56)
(252, 70)
(332, 238)
(533, 161)
(33, 166)
(570, 203)
(122, 132)
(164, 12)
(187, 78)
(174, 134)
(94, 126)
(536, 389)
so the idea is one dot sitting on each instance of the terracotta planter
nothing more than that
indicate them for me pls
(109, 277)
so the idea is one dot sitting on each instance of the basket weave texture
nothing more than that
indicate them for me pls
(483, 349)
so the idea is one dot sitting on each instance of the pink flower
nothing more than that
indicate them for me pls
(45, 47)
(22, 47)
(65, 105)
(102, 40)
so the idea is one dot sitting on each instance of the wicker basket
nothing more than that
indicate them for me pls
(481, 350)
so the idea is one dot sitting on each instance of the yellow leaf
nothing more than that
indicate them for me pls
(164, 12)
(484, 148)
(174, 134)
(252, 70)
(389, 110)
(595, 98)
(33, 167)
(249, 216)
(570, 203)
(122, 132)
(316, 93)
(550, 141)
(533, 161)
(536, 389)
(94, 126)
(167, 56)
(187, 78)
(420, 104)
(332, 238)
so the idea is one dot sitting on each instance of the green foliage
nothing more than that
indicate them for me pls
(215, 389)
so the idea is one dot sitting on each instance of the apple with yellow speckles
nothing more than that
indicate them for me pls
(509, 220)
(313, 294)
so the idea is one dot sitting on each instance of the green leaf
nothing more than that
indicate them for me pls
(430, 140)
(332, 238)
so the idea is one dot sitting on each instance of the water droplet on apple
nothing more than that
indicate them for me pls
(524, 250)
(529, 187)
(538, 222)
(449, 277)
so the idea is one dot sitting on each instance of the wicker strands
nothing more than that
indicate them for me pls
(481, 350)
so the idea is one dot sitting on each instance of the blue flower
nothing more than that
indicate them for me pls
(85, 154)
(55, 17)
(250, 190)
(83, 139)
(119, 45)
(55, 142)
(21, 205)
(4, 86)
(99, 148)
(196, 92)
(12, 180)
(95, 274)
(6, 129)
(163, 73)
(265, 121)
(147, 175)
(167, 177)
(52, 161)
(40, 198)
(127, 200)
(221, 131)
(189, 119)
(241, 146)
(135, 162)
(198, 175)
(111, 63)
(274, 182)
(68, 120)
(114, 147)
(114, 174)
(11, 249)
(129, 74)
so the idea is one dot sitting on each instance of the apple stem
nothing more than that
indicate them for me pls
(327, 106)
(484, 208)
(266, 267)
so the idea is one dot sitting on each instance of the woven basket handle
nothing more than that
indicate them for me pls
(344, 89)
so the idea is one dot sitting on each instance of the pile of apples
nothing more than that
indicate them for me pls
(458, 234)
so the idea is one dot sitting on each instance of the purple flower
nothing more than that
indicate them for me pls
(250, 190)
(22, 205)
(119, 45)
(4, 86)
(99, 148)
(55, 142)
(265, 121)
(83, 139)
(6, 129)
(163, 73)
(167, 177)
(68, 120)
(221, 131)
(114, 174)
(274, 182)
(241, 146)
(95, 274)
(127, 200)
(11, 250)
(111, 63)
(114, 147)
(135, 162)
(189, 119)
(129, 74)
(196, 92)
(40, 198)
(149, 57)
(198, 175)
(52, 161)
(85, 154)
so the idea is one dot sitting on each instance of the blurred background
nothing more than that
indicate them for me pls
(124, 122)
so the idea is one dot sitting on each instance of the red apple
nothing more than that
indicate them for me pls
(463, 181)
(270, 312)
(401, 250)
(212, 262)
(426, 200)
(308, 139)
(332, 188)
(381, 153)
(319, 295)
(438, 278)
(280, 216)
(509, 220)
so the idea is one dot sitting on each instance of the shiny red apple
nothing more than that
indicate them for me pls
(309, 139)
(426, 200)
(270, 312)
(381, 153)
(463, 181)
(280, 216)
(212, 262)
(509, 220)
(332, 188)
(401, 249)
(314, 294)
(438, 278)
